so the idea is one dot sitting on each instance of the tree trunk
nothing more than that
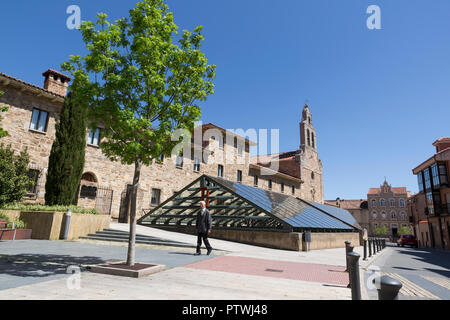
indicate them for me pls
(132, 240)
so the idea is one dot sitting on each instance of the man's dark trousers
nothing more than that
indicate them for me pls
(203, 225)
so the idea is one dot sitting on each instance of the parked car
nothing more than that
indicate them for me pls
(408, 240)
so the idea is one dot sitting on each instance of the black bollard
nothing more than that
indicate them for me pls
(388, 288)
(350, 250)
(384, 243)
(378, 245)
(374, 246)
(353, 275)
(365, 249)
(347, 245)
(370, 247)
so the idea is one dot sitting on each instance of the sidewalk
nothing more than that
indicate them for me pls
(243, 272)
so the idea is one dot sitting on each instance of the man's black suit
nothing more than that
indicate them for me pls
(203, 225)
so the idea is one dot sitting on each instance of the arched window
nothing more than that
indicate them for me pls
(383, 215)
(383, 203)
(403, 215)
(393, 215)
(402, 202)
(309, 137)
(374, 214)
(313, 140)
(374, 203)
(392, 202)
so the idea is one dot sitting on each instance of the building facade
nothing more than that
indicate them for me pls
(105, 185)
(358, 208)
(387, 207)
(429, 210)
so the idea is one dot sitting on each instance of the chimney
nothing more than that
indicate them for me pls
(56, 82)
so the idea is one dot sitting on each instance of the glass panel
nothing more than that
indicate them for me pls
(156, 194)
(427, 179)
(34, 119)
(42, 121)
(96, 139)
(435, 174)
(420, 181)
(443, 174)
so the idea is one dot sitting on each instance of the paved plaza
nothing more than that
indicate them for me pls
(34, 269)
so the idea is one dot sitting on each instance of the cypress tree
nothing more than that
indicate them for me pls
(66, 162)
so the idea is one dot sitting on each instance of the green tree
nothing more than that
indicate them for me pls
(145, 86)
(381, 231)
(66, 161)
(14, 180)
(3, 133)
(405, 230)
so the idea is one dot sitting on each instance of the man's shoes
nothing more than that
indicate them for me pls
(209, 252)
(197, 254)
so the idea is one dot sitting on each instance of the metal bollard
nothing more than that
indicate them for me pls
(355, 284)
(370, 247)
(365, 249)
(347, 245)
(384, 243)
(350, 250)
(388, 288)
(374, 246)
(378, 245)
(66, 228)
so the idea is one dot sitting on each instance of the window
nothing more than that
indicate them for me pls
(374, 203)
(179, 161)
(312, 176)
(392, 202)
(293, 190)
(383, 203)
(383, 215)
(196, 164)
(403, 215)
(270, 184)
(309, 137)
(402, 203)
(239, 176)
(156, 197)
(443, 174)
(313, 141)
(94, 137)
(427, 179)
(393, 215)
(220, 170)
(221, 142)
(39, 120)
(435, 175)
(420, 181)
(34, 176)
(240, 150)
(374, 214)
(255, 181)
(282, 187)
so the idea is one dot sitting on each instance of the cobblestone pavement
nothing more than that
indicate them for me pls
(424, 273)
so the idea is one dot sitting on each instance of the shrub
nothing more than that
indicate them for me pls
(4, 216)
(18, 224)
(14, 180)
(40, 207)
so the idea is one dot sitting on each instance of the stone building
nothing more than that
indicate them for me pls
(358, 208)
(429, 209)
(388, 207)
(105, 185)
(302, 166)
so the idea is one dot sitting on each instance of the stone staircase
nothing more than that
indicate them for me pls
(122, 236)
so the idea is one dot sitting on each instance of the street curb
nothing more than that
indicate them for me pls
(363, 268)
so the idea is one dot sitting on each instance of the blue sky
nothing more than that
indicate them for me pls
(379, 98)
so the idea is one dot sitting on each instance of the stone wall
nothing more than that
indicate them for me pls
(333, 240)
(51, 225)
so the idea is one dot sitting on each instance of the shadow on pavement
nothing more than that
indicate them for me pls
(435, 257)
(42, 265)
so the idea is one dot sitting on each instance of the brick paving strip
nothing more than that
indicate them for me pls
(411, 289)
(328, 274)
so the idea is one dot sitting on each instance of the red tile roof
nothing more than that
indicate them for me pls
(287, 164)
(346, 204)
(29, 85)
(401, 190)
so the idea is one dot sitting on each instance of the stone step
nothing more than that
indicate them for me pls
(122, 236)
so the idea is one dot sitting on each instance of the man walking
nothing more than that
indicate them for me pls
(203, 225)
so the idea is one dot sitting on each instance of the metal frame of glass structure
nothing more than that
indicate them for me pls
(237, 206)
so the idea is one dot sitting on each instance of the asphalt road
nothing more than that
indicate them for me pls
(424, 273)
